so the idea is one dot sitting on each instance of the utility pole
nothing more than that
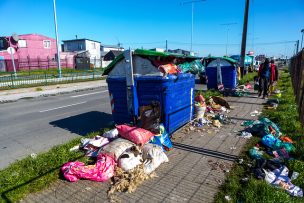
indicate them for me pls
(227, 34)
(297, 45)
(244, 38)
(302, 31)
(192, 17)
(57, 41)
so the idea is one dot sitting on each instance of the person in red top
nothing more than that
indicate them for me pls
(275, 73)
(266, 75)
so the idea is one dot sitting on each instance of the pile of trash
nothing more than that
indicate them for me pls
(214, 111)
(271, 154)
(126, 154)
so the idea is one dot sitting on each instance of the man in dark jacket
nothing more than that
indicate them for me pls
(265, 75)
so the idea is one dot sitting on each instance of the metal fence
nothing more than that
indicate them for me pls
(16, 81)
(296, 69)
(27, 64)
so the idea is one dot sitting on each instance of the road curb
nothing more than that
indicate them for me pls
(41, 94)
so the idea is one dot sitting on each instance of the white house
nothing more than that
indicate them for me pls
(105, 49)
(92, 46)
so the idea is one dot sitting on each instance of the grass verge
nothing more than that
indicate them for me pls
(286, 117)
(35, 173)
(51, 71)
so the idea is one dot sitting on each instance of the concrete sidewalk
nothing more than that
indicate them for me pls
(197, 166)
(24, 93)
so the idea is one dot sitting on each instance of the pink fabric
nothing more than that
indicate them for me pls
(101, 171)
(136, 135)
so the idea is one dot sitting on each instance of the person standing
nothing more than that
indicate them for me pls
(274, 77)
(264, 75)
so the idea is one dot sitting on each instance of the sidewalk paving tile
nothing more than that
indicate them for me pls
(189, 176)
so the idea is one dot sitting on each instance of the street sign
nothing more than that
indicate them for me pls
(11, 50)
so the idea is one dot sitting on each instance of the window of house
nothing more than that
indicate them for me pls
(93, 45)
(1, 44)
(46, 44)
(80, 47)
(22, 43)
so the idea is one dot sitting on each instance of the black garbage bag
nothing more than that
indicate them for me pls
(151, 117)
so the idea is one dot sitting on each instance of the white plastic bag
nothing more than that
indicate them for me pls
(269, 176)
(153, 156)
(111, 134)
(117, 147)
(129, 160)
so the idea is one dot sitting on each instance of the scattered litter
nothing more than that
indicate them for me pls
(75, 148)
(34, 155)
(241, 161)
(232, 147)
(228, 198)
(246, 135)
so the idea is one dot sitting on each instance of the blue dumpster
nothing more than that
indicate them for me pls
(227, 70)
(175, 94)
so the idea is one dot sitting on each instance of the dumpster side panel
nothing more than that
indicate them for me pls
(175, 95)
(228, 77)
(118, 89)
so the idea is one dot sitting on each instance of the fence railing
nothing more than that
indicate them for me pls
(296, 69)
(11, 81)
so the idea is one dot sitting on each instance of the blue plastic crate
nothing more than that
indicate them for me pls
(175, 94)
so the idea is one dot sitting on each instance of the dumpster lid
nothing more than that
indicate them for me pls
(209, 59)
(143, 52)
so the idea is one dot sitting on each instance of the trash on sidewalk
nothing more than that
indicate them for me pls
(138, 136)
(102, 171)
(153, 157)
(246, 135)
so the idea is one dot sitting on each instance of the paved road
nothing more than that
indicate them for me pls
(35, 125)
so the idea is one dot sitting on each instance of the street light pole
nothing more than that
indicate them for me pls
(57, 41)
(192, 17)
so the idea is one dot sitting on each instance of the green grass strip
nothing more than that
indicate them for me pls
(33, 174)
(287, 118)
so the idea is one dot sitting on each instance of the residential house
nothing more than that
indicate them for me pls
(91, 47)
(181, 51)
(32, 51)
(105, 49)
(110, 56)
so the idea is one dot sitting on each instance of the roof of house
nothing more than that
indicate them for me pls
(71, 40)
(112, 46)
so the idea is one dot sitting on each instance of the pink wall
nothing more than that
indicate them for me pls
(34, 48)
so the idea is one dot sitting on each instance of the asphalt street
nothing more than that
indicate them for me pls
(36, 125)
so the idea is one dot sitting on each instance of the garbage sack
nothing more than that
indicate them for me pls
(131, 158)
(168, 69)
(255, 153)
(153, 156)
(136, 135)
(199, 111)
(283, 181)
(269, 176)
(117, 147)
(268, 122)
(92, 146)
(193, 67)
(221, 101)
(200, 99)
(271, 141)
(102, 171)
(150, 117)
(111, 134)
(162, 139)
